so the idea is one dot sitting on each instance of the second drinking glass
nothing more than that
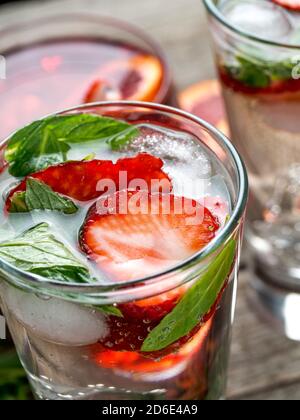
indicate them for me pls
(257, 49)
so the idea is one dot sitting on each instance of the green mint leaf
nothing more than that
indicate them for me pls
(33, 148)
(39, 196)
(109, 310)
(37, 251)
(250, 73)
(258, 73)
(117, 142)
(18, 203)
(89, 157)
(196, 303)
(47, 142)
(86, 127)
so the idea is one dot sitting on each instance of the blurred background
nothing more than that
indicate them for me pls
(178, 25)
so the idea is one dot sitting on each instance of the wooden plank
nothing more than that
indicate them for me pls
(260, 356)
(282, 393)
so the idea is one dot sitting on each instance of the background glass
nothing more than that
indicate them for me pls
(266, 130)
(54, 63)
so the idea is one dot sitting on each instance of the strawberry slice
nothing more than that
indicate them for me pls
(128, 333)
(79, 180)
(135, 362)
(134, 234)
(218, 208)
(289, 4)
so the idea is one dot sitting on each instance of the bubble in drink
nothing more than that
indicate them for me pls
(259, 17)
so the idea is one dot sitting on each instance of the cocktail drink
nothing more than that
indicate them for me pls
(257, 47)
(120, 238)
(62, 61)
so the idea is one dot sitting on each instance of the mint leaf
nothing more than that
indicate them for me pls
(18, 203)
(252, 74)
(37, 251)
(87, 127)
(39, 196)
(109, 310)
(116, 142)
(258, 73)
(33, 148)
(47, 142)
(196, 303)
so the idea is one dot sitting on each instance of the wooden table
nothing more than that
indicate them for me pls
(263, 364)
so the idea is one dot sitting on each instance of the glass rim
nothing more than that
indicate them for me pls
(226, 232)
(125, 26)
(215, 12)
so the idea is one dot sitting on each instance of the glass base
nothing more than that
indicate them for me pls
(43, 391)
(278, 306)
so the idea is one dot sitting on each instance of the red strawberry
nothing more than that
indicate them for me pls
(281, 89)
(125, 354)
(289, 4)
(130, 245)
(218, 208)
(79, 180)
(137, 362)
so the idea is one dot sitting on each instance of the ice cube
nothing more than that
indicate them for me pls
(55, 320)
(171, 146)
(258, 17)
(185, 159)
(295, 37)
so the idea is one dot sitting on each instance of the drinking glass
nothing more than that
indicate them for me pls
(265, 126)
(59, 61)
(57, 327)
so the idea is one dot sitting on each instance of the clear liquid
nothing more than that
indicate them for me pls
(64, 371)
(192, 169)
(58, 341)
